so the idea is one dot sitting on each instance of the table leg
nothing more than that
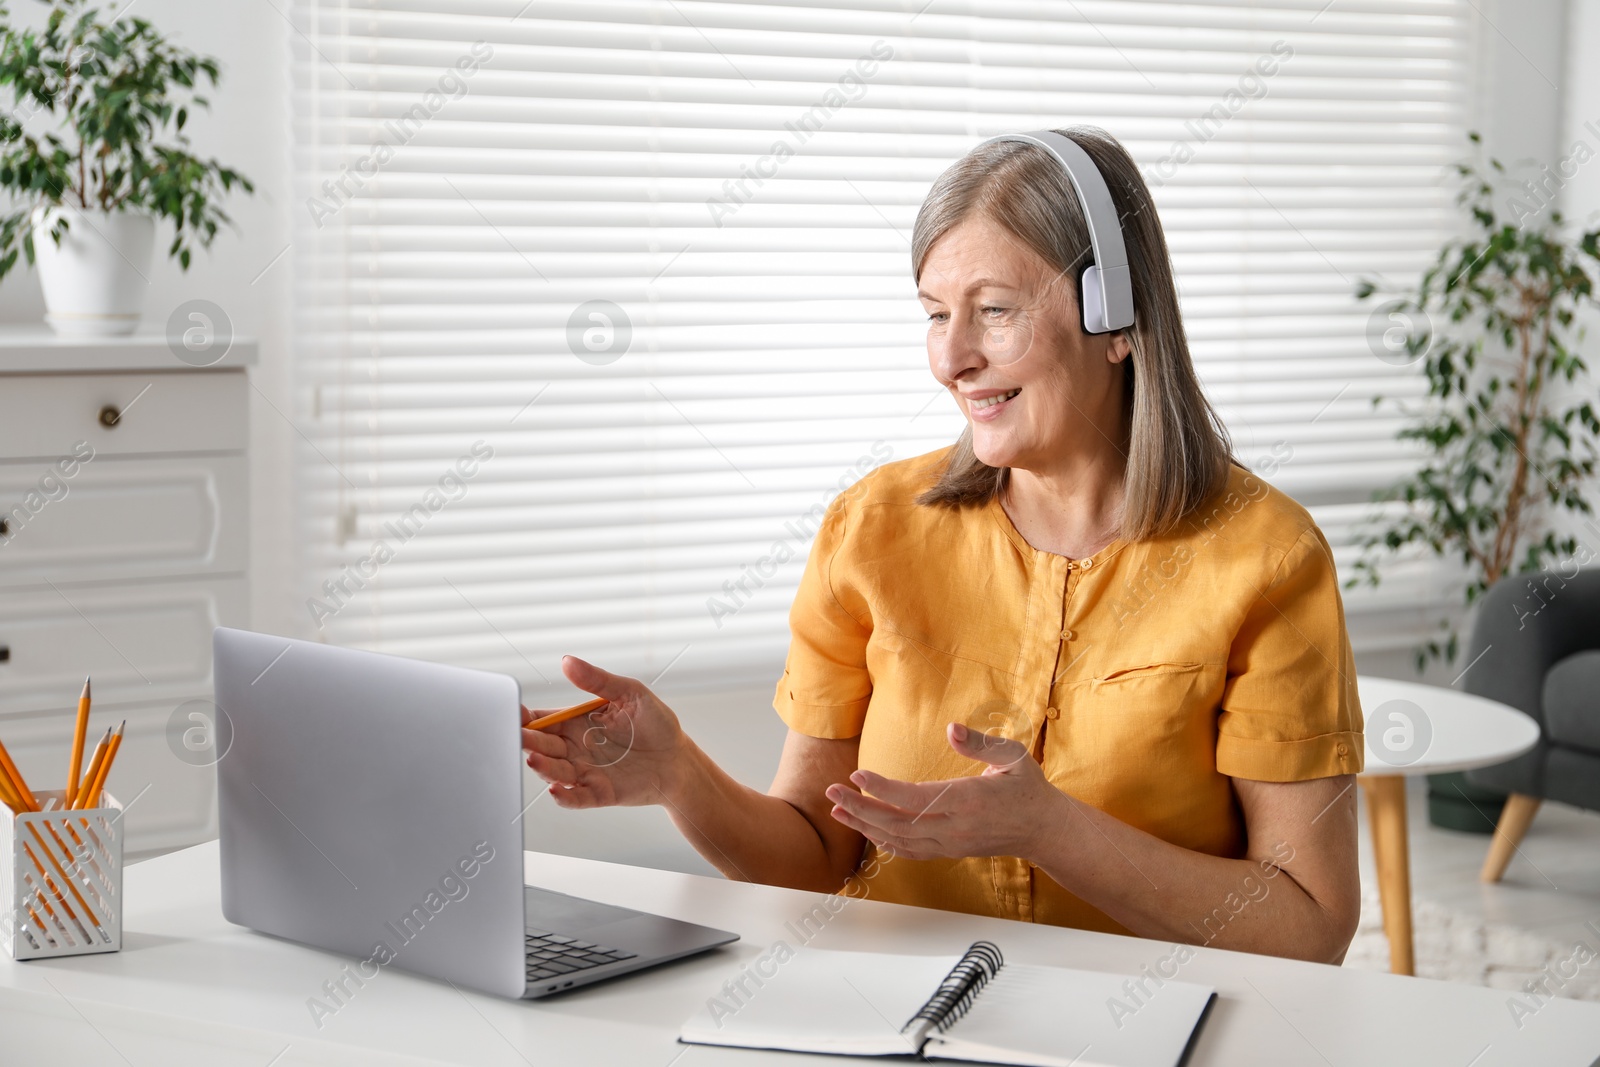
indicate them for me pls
(1386, 808)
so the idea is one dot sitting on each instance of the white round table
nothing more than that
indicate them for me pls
(1414, 729)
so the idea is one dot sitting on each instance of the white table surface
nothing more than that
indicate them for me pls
(189, 987)
(1463, 731)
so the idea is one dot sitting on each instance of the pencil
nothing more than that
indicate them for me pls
(55, 864)
(8, 798)
(19, 785)
(61, 898)
(94, 768)
(105, 766)
(82, 728)
(564, 714)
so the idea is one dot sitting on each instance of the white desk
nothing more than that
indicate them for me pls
(203, 991)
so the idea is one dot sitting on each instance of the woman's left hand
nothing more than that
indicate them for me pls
(1001, 812)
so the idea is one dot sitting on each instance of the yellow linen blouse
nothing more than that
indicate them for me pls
(1143, 678)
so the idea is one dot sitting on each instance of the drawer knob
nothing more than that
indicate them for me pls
(5, 653)
(5, 528)
(110, 416)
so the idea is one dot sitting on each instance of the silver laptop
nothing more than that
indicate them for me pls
(372, 806)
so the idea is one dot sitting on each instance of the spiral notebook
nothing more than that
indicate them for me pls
(974, 1007)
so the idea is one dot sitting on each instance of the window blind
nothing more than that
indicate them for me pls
(598, 302)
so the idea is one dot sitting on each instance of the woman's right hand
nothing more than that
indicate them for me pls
(628, 752)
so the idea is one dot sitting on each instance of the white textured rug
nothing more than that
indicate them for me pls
(1456, 947)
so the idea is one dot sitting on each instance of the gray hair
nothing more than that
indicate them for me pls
(1178, 450)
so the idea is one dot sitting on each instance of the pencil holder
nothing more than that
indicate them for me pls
(61, 879)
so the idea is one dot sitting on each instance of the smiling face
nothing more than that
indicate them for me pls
(1005, 337)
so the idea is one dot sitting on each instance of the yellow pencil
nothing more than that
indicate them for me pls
(55, 865)
(105, 766)
(19, 785)
(94, 769)
(78, 737)
(10, 798)
(49, 882)
(565, 714)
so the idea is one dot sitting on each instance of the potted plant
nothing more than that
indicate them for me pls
(88, 190)
(1505, 454)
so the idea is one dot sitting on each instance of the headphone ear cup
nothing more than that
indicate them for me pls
(1091, 301)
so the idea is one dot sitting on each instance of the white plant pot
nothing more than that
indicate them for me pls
(95, 281)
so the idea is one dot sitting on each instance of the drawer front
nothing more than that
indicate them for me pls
(50, 416)
(122, 518)
(169, 794)
(139, 642)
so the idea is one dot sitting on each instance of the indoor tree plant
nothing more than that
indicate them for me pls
(110, 159)
(1494, 322)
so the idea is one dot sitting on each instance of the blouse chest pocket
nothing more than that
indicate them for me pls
(1138, 714)
(1147, 670)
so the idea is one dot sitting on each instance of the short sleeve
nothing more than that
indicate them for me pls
(825, 685)
(1290, 709)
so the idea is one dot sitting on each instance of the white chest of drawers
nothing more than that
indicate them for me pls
(124, 539)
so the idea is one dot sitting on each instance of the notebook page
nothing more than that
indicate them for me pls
(819, 1000)
(1055, 1016)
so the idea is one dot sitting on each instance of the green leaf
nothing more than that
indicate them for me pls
(1500, 452)
(120, 94)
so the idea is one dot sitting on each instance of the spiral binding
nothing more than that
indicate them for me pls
(961, 986)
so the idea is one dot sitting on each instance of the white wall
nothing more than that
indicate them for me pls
(1523, 44)
(246, 128)
(1581, 106)
(1579, 199)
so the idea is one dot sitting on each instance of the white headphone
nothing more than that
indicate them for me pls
(1107, 285)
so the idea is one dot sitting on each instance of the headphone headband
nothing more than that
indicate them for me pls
(1107, 303)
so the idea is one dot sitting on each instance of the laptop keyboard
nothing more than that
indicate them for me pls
(555, 955)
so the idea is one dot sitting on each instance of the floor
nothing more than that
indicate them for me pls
(1550, 892)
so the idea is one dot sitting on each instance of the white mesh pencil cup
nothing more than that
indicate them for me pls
(61, 879)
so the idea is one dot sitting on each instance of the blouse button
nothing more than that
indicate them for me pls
(1052, 713)
(1344, 750)
(1086, 563)
(1067, 635)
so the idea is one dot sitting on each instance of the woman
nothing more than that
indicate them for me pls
(1080, 668)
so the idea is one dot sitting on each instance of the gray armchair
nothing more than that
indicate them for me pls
(1536, 647)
